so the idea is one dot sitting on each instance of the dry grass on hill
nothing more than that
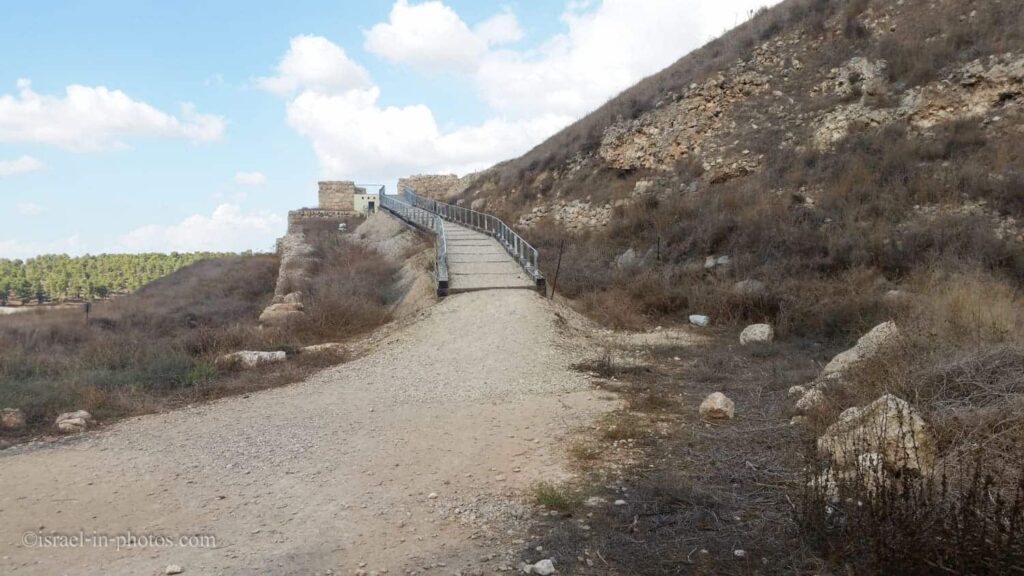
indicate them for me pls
(157, 348)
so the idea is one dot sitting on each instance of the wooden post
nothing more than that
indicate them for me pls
(554, 283)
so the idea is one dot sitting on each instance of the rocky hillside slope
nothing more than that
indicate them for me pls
(825, 147)
(799, 78)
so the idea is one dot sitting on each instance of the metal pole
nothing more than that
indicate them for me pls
(554, 284)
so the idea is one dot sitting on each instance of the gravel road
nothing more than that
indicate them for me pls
(413, 458)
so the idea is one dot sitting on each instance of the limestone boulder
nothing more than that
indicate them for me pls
(330, 347)
(878, 339)
(277, 314)
(717, 406)
(757, 333)
(251, 359)
(810, 401)
(750, 288)
(12, 419)
(888, 427)
(699, 320)
(73, 422)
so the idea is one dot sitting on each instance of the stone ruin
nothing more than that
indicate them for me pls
(335, 202)
(436, 186)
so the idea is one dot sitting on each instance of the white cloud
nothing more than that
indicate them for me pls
(607, 47)
(499, 29)
(604, 51)
(432, 36)
(19, 166)
(250, 178)
(313, 62)
(353, 136)
(30, 209)
(91, 118)
(19, 249)
(228, 228)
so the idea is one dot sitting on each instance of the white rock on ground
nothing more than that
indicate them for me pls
(544, 567)
(890, 427)
(12, 419)
(320, 348)
(73, 422)
(869, 344)
(796, 391)
(173, 569)
(718, 406)
(749, 288)
(251, 359)
(757, 333)
(277, 314)
(810, 401)
(699, 320)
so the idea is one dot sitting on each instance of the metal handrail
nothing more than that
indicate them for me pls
(427, 221)
(525, 254)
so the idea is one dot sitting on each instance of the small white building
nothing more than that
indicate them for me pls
(366, 199)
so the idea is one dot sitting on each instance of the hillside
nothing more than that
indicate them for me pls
(863, 142)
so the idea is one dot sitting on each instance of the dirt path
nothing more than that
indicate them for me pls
(411, 457)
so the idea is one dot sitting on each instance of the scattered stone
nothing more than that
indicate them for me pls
(895, 298)
(627, 260)
(173, 569)
(712, 262)
(872, 343)
(757, 333)
(620, 502)
(277, 314)
(251, 359)
(798, 420)
(795, 391)
(594, 501)
(739, 553)
(544, 567)
(890, 427)
(810, 401)
(750, 288)
(432, 496)
(699, 320)
(12, 419)
(321, 348)
(717, 406)
(73, 422)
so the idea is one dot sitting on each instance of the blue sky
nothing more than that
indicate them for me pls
(156, 125)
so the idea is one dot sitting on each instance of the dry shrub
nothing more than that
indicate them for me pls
(351, 294)
(965, 522)
(158, 346)
(959, 360)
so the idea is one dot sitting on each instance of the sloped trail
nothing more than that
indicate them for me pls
(414, 455)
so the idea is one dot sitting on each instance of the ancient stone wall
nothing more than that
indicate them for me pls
(336, 195)
(436, 186)
(296, 217)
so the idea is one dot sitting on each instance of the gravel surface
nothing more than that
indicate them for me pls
(412, 458)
